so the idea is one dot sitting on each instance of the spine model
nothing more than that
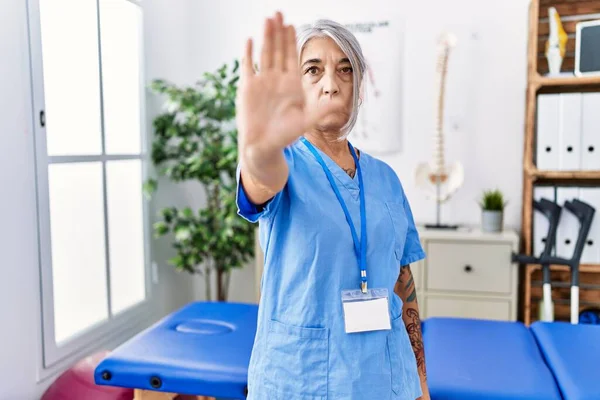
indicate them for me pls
(438, 180)
(439, 167)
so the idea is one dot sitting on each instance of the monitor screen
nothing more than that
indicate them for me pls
(589, 49)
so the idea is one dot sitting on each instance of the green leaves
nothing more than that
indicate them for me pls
(149, 187)
(492, 200)
(160, 229)
(195, 140)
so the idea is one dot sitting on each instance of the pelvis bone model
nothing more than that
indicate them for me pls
(438, 180)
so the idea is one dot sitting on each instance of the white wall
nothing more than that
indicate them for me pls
(485, 98)
(218, 34)
(167, 42)
(168, 39)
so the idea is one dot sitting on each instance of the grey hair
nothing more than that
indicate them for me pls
(348, 43)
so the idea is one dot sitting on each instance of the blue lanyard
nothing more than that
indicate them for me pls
(359, 249)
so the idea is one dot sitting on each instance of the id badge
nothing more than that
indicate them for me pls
(366, 311)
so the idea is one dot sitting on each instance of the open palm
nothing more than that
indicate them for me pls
(270, 104)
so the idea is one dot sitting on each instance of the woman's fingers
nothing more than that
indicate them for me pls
(247, 63)
(291, 56)
(266, 58)
(280, 42)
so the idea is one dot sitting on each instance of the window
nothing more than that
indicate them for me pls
(88, 102)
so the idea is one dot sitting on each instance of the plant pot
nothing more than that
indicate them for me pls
(492, 221)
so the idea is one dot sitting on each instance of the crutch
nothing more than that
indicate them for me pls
(585, 214)
(552, 212)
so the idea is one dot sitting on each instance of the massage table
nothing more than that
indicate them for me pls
(497, 360)
(202, 349)
(573, 354)
(480, 359)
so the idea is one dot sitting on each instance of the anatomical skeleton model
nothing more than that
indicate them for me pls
(438, 180)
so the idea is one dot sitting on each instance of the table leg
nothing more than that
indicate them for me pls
(140, 394)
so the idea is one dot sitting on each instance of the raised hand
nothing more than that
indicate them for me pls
(270, 103)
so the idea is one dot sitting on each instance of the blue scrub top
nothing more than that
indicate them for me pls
(301, 349)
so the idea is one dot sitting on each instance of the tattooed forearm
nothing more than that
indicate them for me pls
(405, 286)
(406, 290)
(413, 327)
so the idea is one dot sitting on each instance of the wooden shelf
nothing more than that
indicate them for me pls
(589, 294)
(566, 176)
(571, 13)
(561, 84)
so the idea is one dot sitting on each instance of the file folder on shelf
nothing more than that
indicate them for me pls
(590, 132)
(591, 250)
(548, 125)
(566, 235)
(569, 135)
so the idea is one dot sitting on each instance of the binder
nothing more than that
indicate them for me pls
(590, 131)
(547, 131)
(568, 227)
(591, 251)
(569, 136)
(540, 222)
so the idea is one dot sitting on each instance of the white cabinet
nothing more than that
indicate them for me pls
(468, 273)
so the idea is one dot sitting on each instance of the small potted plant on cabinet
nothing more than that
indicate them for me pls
(492, 204)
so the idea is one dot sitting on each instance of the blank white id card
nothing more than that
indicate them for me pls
(366, 311)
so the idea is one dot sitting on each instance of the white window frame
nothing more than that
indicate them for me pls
(116, 327)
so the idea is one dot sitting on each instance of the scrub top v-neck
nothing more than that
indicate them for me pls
(301, 348)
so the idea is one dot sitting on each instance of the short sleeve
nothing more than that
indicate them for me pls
(413, 251)
(250, 211)
(254, 212)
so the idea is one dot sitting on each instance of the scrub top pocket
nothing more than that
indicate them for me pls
(400, 225)
(298, 362)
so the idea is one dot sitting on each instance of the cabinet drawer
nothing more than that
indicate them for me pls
(462, 307)
(471, 267)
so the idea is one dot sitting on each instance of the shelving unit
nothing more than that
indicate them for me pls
(571, 12)
(567, 82)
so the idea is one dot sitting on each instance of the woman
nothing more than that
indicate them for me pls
(338, 316)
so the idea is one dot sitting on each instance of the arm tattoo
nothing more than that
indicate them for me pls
(413, 327)
(405, 287)
(406, 290)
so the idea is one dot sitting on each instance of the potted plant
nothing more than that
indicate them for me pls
(492, 204)
(195, 139)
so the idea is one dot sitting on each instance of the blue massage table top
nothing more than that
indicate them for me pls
(202, 349)
(573, 354)
(483, 359)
